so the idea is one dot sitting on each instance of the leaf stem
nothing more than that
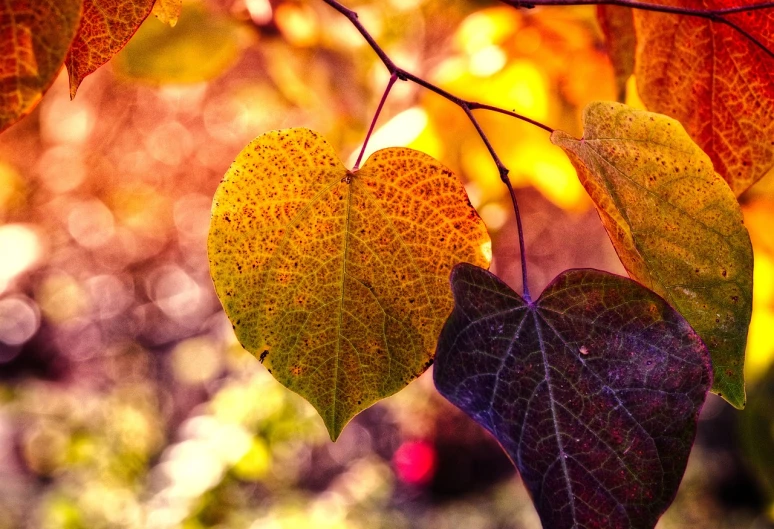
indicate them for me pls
(404, 75)
(466, 106)
(714, 15)
(507, 181)
(393, 78)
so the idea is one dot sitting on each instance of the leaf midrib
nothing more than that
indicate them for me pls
(552, 400)
(292, 224)
(339, 334)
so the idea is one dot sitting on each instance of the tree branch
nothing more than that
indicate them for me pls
(404, 75)
(645, 6)
(466, 106)
(714, 15)
(391, 82)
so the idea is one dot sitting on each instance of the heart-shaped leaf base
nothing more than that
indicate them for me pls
(594, 391)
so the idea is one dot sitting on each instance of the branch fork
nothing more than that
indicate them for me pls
(396, 73)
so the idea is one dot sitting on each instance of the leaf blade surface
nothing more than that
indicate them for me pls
(674, 223)
(593, 391)
(34, 39)
(106, 26)
(337, 280)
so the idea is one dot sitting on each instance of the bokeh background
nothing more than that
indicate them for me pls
(125, 401)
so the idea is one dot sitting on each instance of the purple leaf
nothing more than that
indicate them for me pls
(594, 391)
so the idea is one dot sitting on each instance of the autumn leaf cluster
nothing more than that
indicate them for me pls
(38, 38)
(337, 280)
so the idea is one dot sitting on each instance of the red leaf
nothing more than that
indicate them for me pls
(715, 80)
(34, 38)
(106, 27)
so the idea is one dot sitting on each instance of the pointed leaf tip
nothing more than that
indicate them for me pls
(338, 281)
(594, 391)
(106, 26)
(675, 224)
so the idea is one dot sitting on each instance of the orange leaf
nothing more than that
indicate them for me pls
(716, 81)
(106, 27)
(34, 38)
(338, 281)
(618, 26)
(168, 11)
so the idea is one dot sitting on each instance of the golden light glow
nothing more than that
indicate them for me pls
(298, 23)
(10, 184)
(494, 216)
(479, 168)
(486, 250)
(400, 131)
(760, 345)
(487, 61)
(21, 248)
(61, 298)
(487, 27)
(528, 40)
(196, 360)
(556, 179)
(256, 463)
(524, 89)
(632, 95)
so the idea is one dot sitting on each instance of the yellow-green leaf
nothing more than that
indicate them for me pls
(202, 46)
(336, 280)
(168, 11)
(34, 39)
(675, 224)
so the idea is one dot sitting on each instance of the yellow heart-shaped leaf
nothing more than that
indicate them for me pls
(336, 280)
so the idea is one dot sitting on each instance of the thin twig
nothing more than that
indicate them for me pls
(747, 34)
(646, 6)
(543, 126)
(466, 106)
(353, 18)
(393, 78)
(504, 177)
(714, 15)
(404, 75)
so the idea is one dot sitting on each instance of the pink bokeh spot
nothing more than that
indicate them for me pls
(414, 462)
